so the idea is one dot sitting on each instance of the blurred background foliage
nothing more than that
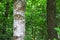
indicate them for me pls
(6, 23)
(36, 23)
(36, 20)
(35, 16)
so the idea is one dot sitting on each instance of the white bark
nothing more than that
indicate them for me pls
(19, 20)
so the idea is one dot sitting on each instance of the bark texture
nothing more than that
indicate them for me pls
(19, 20)
(51, 19)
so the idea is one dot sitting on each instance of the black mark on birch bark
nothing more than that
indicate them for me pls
(18, 17)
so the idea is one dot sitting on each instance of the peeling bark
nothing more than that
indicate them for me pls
(19, 20)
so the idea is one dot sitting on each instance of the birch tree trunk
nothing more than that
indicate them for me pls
(19, 20)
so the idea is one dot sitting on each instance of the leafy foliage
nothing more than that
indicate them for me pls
(6, 23)
(36, 20)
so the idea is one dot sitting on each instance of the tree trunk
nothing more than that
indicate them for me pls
(19, 20)
(7, 9)
(51, 19)
(5, 17)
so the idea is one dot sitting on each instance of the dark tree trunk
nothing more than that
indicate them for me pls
(7, 9)
(51, 19)
(5, 17)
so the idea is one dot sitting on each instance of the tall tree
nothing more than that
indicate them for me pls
(19, 20)
(5, 17)
(51, 19)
